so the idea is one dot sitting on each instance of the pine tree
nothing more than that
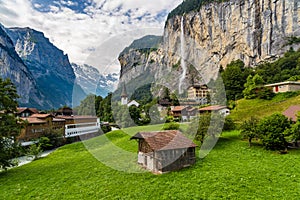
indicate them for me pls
(9, 124)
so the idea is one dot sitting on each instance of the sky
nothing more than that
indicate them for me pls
(93, 32)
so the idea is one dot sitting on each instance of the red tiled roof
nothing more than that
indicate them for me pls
(212, 108)
(178, 108)
(20, 110)
(33, 110)
(33, 120)
(164, 140)
(291, 112)
(41, 115)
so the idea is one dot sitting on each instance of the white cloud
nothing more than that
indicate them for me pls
(94, 38)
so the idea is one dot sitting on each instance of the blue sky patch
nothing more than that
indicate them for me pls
(77, 6)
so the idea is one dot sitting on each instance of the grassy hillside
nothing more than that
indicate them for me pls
(260, 108)
(232, 170)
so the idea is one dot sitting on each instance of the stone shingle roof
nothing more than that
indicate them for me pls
(165, 140)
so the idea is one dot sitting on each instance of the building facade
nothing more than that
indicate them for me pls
(184, 112)
(38, 125)
(199, 93)
(287, 86)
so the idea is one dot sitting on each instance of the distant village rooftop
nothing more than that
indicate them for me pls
(284, 83)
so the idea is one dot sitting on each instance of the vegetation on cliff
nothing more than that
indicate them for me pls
(190, 5)
(146, 43)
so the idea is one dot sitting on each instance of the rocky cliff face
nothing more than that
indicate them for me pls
(50, 67)
(12, 67)
(218, 33)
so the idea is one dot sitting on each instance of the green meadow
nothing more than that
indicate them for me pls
(105, 168)
(261, 108)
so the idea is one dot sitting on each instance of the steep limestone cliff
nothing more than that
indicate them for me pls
(48, 64)
(250, 30)
(218, 33)
(12, 67)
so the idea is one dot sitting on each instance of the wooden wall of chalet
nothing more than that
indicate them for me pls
(32, 132)
(144, 146)
(174, 159)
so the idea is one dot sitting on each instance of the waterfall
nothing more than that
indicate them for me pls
(183, 57)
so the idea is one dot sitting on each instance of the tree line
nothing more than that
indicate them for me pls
(246, 82)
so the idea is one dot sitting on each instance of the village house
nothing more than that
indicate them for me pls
(165, 151)
(124, 98)
(133, 103)
(287, 86)
(26, 112)
(184, 112)
(66, 111)
(37, 125)
(199, 93)
(215, 108)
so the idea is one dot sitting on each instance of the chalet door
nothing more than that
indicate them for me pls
(150, 163)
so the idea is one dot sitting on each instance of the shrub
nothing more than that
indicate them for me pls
(171, 126)
(229, 124)
(265, 93)
(271, 130)
(45, 143)
(206, 125)
(249, 129)
(56, 138)
(169, 119)
(35, 151)
(105, 128)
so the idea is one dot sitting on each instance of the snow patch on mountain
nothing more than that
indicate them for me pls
(92, 82)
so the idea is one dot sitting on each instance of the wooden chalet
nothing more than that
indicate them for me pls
(165, 151)
(185, 112)
(65, 111)
(26, 112)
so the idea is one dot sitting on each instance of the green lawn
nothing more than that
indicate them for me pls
(261, 108)
(232, 171)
